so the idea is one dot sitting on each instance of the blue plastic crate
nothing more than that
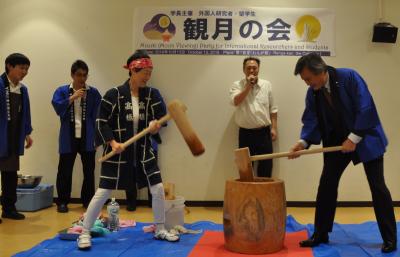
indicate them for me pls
(33, 199)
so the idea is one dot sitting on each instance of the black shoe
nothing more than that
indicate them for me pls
(315, 240)
(62, 208)
(130, 207)
(14, 215)
(388, 247)
(1, 221)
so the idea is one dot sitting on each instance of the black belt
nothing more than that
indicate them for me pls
(256, 129)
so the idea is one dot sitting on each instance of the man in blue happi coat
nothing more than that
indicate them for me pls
(76, 104)
(15, 129)
(340, 111)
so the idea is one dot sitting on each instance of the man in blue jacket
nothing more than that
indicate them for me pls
(15, 129)
(340, 111)
(76, 104)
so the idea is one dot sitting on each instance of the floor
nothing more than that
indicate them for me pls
(16, 236)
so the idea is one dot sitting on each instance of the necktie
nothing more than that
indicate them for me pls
(327, 96)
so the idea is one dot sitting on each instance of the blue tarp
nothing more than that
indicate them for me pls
(124, 243)
(358, 240)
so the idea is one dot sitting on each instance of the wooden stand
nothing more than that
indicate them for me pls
(254, 216)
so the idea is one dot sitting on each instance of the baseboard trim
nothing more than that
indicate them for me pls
(300, 204)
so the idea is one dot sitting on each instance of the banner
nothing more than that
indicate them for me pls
(234, 31)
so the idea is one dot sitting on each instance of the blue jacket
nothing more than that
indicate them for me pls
(357, 110)
(26, 127)
(62, 107)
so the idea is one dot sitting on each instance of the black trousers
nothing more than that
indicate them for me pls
(131, 193)
(9, 181)
(259, 142)
(334, 166)
(131, 197)
(64, 175)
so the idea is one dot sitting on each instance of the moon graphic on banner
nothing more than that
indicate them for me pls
(308, 28)
(160, 27)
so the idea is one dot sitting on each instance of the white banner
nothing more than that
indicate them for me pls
(234, 31)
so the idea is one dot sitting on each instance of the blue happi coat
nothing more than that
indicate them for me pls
(62, 107)
(357, 110)
(26, 127)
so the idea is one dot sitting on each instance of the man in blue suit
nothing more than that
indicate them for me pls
(340, 111)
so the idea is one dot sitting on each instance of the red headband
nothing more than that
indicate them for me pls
(140, 63)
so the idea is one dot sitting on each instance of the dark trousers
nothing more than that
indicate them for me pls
(131, 197)
(131, 193)
(259, 142)
(334, 165)
(9, 181)
(64, 175)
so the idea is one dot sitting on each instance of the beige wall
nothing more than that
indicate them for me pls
(54, 33)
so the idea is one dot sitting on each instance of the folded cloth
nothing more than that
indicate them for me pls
(149, 229)
(98, 228)
(75, 230)
(178, 229)
(127, 223)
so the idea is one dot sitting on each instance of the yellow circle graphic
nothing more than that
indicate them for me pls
(308, 28)
(164, 22)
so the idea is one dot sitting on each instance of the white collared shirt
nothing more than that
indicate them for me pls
(327, 85)
(14, 88)
(78, 113)
(255, 110)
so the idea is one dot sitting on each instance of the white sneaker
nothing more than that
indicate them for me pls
(84, 241)
(163, 234)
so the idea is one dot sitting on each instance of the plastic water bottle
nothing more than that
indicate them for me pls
(113, 215)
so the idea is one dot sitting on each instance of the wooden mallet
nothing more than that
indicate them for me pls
(176, 111)
(243, 159)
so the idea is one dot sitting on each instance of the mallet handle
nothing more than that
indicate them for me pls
(135, 138)
(301, 152)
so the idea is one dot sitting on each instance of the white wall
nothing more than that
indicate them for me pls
(55, 33)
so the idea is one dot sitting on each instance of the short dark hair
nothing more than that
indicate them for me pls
(79, 65)
(311, 61)
(16, 59)
(138, 54)
(251, 58)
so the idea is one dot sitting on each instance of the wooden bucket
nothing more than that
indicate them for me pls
(254, 216)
